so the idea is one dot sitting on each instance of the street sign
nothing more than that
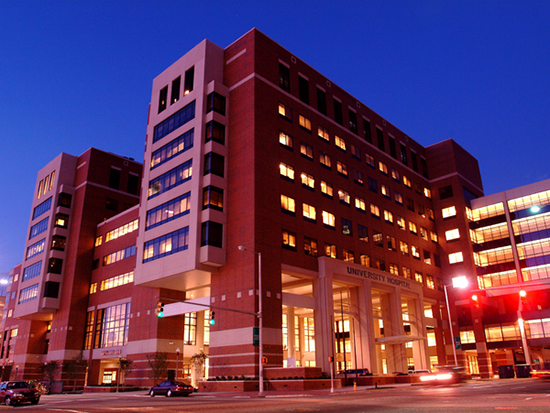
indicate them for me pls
(255, 336)
(457, 343)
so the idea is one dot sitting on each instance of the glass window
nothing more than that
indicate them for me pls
(286, 171)
(339, 142)
(375, 211)
(346, 227)
(326, 189)
(400, 222)
(366, 130)
(321, 101)
(347, 255)
(330, 250)
(352, 121)
(211, 234)
(338, 111)
(163, 97)
(306, 150)
(288, 204)
(358, 177)
(310, 246)
(363, 233)
(175, 121)
(285, 112)
(360, 204)
(383, 168)
(322, 133)
(289, 240)
(388, 217)
(308, 181)
(215, 131)
(170, 179)
(215, 102)
(342, 168)
(456, 257)
(309, 212)
(325, 160)
(448, 212)
(285, 139)
(305, 123)
(214, 164)
(284, 77)
(189, 80)
(355, 152)
(303, 89)
(329, 219)
(344, 197)
(452, 234)
(398, 197)
(212, 197)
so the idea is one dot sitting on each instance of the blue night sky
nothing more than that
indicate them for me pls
(77, 74)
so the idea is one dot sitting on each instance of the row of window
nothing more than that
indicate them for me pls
(284, 83)
(178, 119)
(168, 211)
(39, 228)
(174, 177)
(111, 327)
(166, 245)
(119, 255)
(173, 148)
(45, 185)
(113, 282)
(42, 208)
(175, 91)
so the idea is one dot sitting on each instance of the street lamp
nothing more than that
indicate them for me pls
(522, 301)
(260, 323)
(458, 282)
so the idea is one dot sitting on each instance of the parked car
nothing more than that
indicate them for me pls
(171, 388)
(15, 392)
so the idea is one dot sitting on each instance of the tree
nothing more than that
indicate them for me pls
(198, 360)
(158, 364)
(125, 368)
(73, 366)
(49, 370)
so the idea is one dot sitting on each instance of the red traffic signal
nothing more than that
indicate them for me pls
(330, 359)
(160, 309)
(523, 297)
(474, 301)
(264, 360)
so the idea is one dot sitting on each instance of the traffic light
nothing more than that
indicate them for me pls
(264, 360)
(475, 301)
(523, 297)
(160, 309)
(212, 320)
(331, 359)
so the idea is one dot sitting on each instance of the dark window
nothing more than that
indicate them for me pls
(212, 197)
(214, 164)
(284, 77)
(114, 178)
(51, 289)
(95, 264)
(215, 102)
(437, 260)
(410, 204)
(175, 95)
(58, 242)
(404, 154)
(55, 265)
(424, 166)
(215, 131)
(321, 101)
(414, 161)
(310, 246)
(111, 204)
(189, 80)
(303, 89)
(180, 118)
(378, 239)
(212, 234)
(346, 226)
(363, 233)
(380, 137)
(393, 150)
(338, 117)
(468, 195)
(380, 264)
(42, 208)
(64, 200)
(445, 192)
(163, 96)
(366, 130)
(352, 121)
(133, 184)
(373, 186)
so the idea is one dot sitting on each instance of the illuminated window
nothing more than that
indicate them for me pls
(385, 191)
(412, 228)
(288, 204)
(467, 337)
(310, 246)
(122, 230)
(452, 234)
(401, 222)
(395, 175)
(418, 276)
(456, 257)
(388, 217)
(358, 177)
(190, 329)
(285, 139)
(342, 168)
(329, 219)
(375, 211)
(382, 167)
(344, 197)
(307, 180)
(309, 334)
(305, 123)
(98, 241)
(346, 226)
(404, 248)
(330, 250)
(390, 242)
(360, 204)
(448, 212)
(430, 282)
(407, 273)
(339, 142)
(289, 240)
(117, 281)
(325, 160)
(424, 233)
(309, 212)
(427, 257)
(378, 239)
(431, 339)
(286, 171)
(348, 256)
(427, 193)
(93, 288)
(121, 255)
(415, 252)
(365, 260)
(326, 189)
(323, 133)
(306, 150)
(394, 269)
(407, 182)
(285, 111)
(370, 160)
(355, 152)
(433, 236)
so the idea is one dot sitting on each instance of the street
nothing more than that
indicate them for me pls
(524, 395)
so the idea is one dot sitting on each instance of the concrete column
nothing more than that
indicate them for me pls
(323, 317)
(291, 352)
(418, 329)
(365, 344)
(393, 326)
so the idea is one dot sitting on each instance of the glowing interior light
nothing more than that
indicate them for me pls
(535, 209)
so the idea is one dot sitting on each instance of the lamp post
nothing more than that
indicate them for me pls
(177, 361)
(260, 323)
(522, 298)
(458, 282)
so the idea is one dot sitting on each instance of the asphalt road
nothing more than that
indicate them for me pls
(522, 395)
